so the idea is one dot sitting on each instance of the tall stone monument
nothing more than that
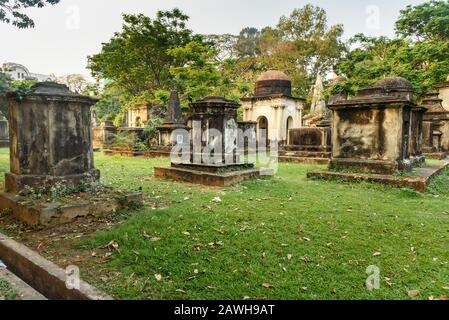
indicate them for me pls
(51, 140)
(173, 121)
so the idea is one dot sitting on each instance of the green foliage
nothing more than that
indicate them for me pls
(197, 75)
(303, 45)
(11, 11)
(248, 43)
(427, 21)
(151, 132)
(6, 292)
(61, 189)
(137, 58)
(21, 87)
(107, 108)
(423, 63)
(128, 141)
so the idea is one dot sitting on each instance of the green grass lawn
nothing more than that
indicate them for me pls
(284, 238)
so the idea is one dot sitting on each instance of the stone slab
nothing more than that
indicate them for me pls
(304, 160)
(50, 214)
(157, 154)
(418, 182)
(20, 287)
(123, 152)
(208, 178)
(437, 155)
(43, 275)
(16, 183)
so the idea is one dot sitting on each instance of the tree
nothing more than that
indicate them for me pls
(424, 63)
(11, 11)
(428, 21)
(318, 46)
(197, 76)
(248, 43)
(76, 82)
(224, 45)
(108, 106)
(303, 45)
(137, 58)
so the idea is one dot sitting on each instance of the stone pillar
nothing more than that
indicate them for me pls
(51, 138)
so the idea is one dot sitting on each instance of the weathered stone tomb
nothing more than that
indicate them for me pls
(213, 155)
(379, 130)
(435, 127)
(51, 140)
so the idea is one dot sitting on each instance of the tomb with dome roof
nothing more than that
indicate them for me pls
(273, 108)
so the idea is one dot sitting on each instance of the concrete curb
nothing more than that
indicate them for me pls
(21, 288)
(43, 275)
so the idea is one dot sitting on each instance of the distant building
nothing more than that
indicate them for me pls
(19, 72)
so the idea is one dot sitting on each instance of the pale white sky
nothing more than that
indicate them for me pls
(67, 33)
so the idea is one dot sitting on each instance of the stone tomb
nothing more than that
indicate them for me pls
(103, 135)
(435, 127)
(51, 146)
(213, 157)
(313, 145)
(50, 137)
(273, 108)
(377, 134)
(443, 90)
(172, 130)
(374, 130)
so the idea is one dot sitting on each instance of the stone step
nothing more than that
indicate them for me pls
(305, 154)
(304, 160)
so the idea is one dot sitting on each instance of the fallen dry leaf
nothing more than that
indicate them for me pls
(216, 200)
(413, 293)
(112, 244)
(267, 285)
